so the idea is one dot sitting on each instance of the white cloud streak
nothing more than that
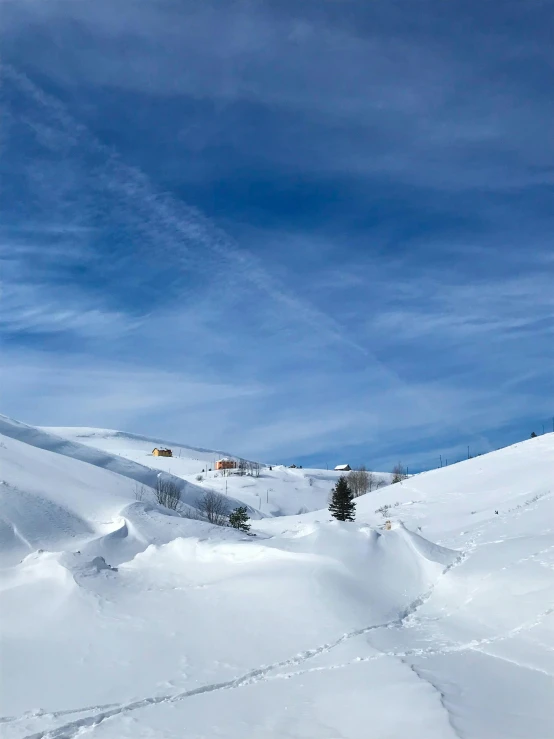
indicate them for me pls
(184, 233)
(35, 309)
(388, 108)
(393, 102)
(273, 423)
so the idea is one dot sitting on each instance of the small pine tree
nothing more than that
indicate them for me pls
(342, 505)
(533, 435)
(239, 519)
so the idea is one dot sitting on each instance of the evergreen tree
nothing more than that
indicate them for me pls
(342, 505)
(533, 435)
(239, 519)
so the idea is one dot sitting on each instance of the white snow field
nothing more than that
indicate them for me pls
(121, 620)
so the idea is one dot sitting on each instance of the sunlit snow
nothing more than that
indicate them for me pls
(121, 619)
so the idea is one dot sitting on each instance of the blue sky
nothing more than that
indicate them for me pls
(314, 232)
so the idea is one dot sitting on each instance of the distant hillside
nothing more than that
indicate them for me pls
(278, 491)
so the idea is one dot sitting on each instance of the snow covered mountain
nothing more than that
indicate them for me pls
(121, 619)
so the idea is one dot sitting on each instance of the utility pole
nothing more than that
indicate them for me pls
(440, 455)
(468, 452)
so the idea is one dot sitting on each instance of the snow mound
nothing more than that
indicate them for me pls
(96, 565)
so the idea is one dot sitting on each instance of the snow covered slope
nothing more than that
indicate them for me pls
(137, 623)
(187, 460)
(55, 500)
(278, 491)
(140, 474)
(48, 441)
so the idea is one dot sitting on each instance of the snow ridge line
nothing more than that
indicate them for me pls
(261, 674)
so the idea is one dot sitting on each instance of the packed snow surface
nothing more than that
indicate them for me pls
(121, 619)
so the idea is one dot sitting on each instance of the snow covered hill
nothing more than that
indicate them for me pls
(188, 460)
(120, 619)
(277, 491)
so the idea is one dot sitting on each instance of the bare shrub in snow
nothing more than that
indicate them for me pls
(140, 492)
(398, 473)
(214, 507)
(199, 478)
(375, 482)
(359, 481)
(167, 494)
(253, 469)
(384, 510)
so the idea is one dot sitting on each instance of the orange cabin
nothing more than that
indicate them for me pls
(225, 464)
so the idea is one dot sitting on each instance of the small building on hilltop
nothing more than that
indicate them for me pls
(162, 452)
(343, 468)
(226, 464)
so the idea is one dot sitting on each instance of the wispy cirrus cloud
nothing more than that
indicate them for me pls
(33, 309)
(491, 309)
(328, 222)
(109, 393)
(177, 232)
(370, 90)
(283, 420)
